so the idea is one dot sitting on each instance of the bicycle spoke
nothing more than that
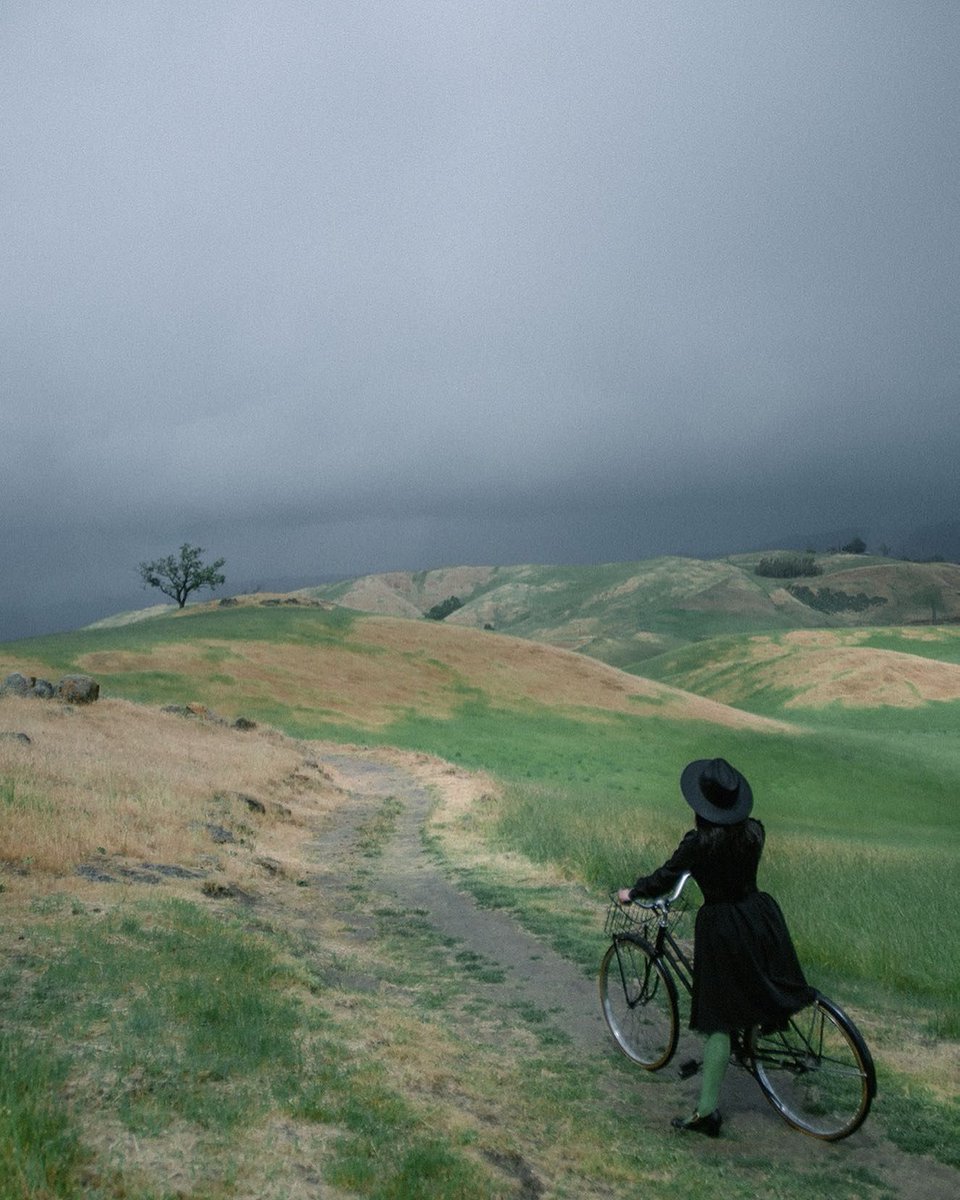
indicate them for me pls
(639, 1002)
(817, 1072)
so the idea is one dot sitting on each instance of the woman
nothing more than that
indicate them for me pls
(746, 970)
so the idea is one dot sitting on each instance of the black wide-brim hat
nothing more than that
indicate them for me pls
(716, 791)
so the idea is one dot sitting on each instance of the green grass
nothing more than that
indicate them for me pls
(295, 626)
(916, 1121)
(556, 1095)
(40, 1146)
(170, 1015)
(866, 899)
(940, 642)
(172, 1019)
(175, 968)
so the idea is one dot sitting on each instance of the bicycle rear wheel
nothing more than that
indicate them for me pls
(817, 1072)
(639, 1000)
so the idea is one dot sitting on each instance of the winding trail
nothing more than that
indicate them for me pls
(535, 974)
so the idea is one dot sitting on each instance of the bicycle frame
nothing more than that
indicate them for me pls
(665, 945)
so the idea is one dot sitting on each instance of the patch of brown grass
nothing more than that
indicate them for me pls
(825, 667)
(511, 669)
(405, 594)
(345, 681)
(117, 780)
(386, 666)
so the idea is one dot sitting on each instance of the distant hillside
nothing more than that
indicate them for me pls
(627, 613)
(785, 674)
(314, 667)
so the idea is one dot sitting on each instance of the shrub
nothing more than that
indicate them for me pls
(788, 566)
(444, 608)
(829, 601)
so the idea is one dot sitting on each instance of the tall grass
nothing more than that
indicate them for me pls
(866, 886)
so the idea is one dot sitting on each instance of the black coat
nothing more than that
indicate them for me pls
(746, 970)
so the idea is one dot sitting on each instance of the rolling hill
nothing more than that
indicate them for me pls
(628, 613)
(320, 665)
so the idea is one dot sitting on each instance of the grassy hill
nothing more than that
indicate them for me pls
(872, 676)
(580, 762)
(628, 613)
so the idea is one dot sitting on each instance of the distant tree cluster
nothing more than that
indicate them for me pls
(788, 566)
(828, 600)
(444, 608)
(855, 546)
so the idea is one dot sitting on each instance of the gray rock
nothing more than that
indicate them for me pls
(94, 873)
(220, 834)
(78, 689)
(16, 684)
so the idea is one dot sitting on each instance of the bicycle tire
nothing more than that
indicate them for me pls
(817, 1072)
(639, 1001)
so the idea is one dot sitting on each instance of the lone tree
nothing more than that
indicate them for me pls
(178, 577)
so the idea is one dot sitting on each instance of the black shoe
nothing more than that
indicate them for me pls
(708, 1125)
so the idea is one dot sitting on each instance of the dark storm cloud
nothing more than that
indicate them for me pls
(337, 287)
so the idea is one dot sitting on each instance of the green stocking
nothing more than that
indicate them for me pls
(716, 1056)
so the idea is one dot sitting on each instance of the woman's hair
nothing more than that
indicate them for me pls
(746, 837)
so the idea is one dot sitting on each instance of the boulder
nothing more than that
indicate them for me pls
(78, 689)
(16, 684)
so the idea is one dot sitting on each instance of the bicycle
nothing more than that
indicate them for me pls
(816, 1071)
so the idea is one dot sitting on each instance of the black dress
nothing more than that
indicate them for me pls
(746, 970)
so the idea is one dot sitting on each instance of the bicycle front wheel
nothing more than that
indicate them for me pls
(639, 1000)
(817, 1072)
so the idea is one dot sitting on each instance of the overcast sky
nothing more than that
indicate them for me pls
(336, 286)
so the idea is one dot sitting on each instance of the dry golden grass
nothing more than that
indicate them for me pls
(508, 670)
(823, 666)
(403, 594)
(118, 780)
(386, 666)
(828, 666)
(351, 685)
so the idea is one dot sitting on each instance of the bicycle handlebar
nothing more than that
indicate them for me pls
(664, 902)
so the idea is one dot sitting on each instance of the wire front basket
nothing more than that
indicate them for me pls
(628, 919)
(635, 918)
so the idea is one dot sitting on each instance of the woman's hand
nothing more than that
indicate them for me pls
(624, 896)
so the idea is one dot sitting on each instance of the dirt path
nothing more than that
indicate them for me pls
(537, 975)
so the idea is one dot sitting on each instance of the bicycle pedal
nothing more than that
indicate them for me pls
(690, 1067)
